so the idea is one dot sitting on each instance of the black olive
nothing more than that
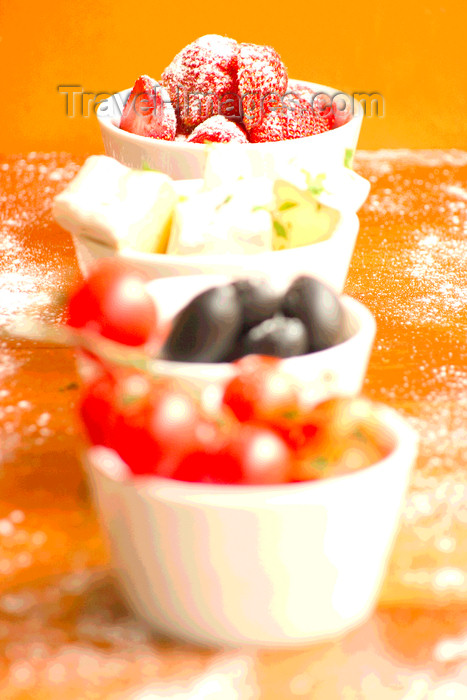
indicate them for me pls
(258, 299)
(277, 336)
(319, 308)
(207, 328)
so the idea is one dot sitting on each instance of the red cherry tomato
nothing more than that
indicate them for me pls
(97, 409)
(114, 302)
(155, 431)
(103, 399)
(201, 463)
(263, 392)
(253, 455)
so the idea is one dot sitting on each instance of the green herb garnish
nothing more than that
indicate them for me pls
(279, 229)
(287, 205)
(348, 157)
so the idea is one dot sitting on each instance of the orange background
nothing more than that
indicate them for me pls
(412, 53)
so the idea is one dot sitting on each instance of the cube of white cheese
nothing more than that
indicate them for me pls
(233, 219)
(117, 206)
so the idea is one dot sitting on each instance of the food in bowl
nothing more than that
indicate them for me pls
(219, 90)
(268, 565)
(116, 209)
(250, 316)
(338, 369)
(261, 426)
(228, 93)
(205, 488)
(260, 432)
(221, 323)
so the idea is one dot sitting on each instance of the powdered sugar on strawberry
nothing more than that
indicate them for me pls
(148, 111)
(294, 118)
(217, 129)
(260, 73)
(201, 75)
(245, 85)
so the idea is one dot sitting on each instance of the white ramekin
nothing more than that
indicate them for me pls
(336, 371)
(328, 260)
(183, 160)
(265, 566)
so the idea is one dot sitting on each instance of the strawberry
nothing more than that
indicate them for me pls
(335, 110)
(261, 73)
(202, 80)
(149, 112)
(342, 110)
(217, 129)
(293, 118)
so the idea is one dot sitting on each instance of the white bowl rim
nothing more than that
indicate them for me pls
(107, 122)
(358, 311)
(404, 439)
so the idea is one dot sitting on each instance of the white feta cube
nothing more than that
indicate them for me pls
(117, 206)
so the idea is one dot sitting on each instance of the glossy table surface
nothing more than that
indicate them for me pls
(64, 630)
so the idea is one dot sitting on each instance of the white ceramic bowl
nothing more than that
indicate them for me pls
(328, 260)
(183, 160)
(336, 371)
(266, 566)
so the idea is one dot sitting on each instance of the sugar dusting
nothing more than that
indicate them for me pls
(403, 157)
(31, 266)
(28, 186)
(65, 635)
(105, 649)
(416, 222)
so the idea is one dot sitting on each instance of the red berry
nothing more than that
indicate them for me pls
(260, 73)
(342, 110)
(217, 129)
(149, 112)
(319, 101)
(202, 79)
(293, 118)
(336, 110)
